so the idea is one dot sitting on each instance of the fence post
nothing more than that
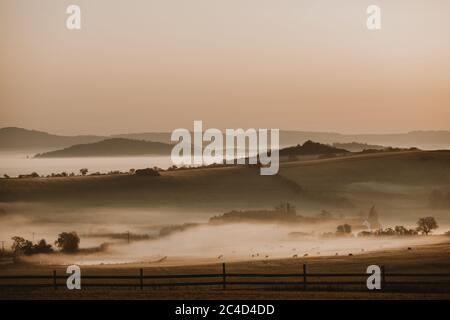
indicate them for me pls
(224, 277)
(383, 277)
(141, 278)
(304, 277)
(55, 285)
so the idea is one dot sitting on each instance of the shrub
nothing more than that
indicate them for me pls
(147, 172)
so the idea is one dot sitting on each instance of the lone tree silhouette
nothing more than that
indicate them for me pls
(426, 225)
(68, 242)
(84, 171)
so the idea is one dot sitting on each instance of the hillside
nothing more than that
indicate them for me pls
(426, 140)
(407, 168)
(311, 148)
(185, 189)
(382, 178)
(12, 138)
(111, 147)
(163, 137)
(357, 147)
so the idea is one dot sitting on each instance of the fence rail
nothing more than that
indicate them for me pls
(303, 280)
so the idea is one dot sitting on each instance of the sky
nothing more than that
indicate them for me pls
(157, 65)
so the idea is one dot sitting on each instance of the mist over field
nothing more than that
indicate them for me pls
(17, 163)
(228, 243)
(104, 209)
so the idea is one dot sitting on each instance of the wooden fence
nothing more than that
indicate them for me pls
(224, 280)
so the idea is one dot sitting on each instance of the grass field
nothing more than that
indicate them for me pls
(421, 259)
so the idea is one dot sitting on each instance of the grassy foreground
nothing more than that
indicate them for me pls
(421, 259)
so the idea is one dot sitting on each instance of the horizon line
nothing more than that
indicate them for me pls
(281, 130)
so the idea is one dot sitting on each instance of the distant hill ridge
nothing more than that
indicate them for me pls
(13, 138)
(111, 147)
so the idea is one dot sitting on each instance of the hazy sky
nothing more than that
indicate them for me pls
(155, 65)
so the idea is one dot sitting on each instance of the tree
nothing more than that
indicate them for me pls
(400, 230)
(68, 242)
(347, 228)
(426, 225)
(22, 246)
(25, 247)
(344, 229)
(84, 171)
(42, 247)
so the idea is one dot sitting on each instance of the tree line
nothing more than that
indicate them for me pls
(67, 242)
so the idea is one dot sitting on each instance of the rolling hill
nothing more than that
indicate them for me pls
(427, 140)
(311, 148)
(111, 147)
(12, 138)
(341, 182)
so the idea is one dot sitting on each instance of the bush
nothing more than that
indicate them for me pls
(31, 175)
(147, 172)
